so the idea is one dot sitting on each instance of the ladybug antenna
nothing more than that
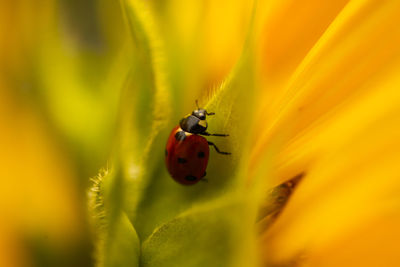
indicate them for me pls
(197, 104)
(211, 113)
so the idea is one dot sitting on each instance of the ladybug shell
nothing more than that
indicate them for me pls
(187, 159)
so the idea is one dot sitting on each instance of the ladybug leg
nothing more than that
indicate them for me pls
(216, 148)
(208, 134)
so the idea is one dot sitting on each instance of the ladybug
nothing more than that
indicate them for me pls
(187, 151)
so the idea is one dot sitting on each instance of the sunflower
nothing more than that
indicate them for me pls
(306, 90)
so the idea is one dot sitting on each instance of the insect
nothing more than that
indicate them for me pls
(187, 151)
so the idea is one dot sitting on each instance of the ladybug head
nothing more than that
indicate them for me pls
(201, 113)
(195, 123)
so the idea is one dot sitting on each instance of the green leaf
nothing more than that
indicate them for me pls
(144, 105)
(210, 223)
(144, 97)
(216, 234)
(202, 224)
(122, 246)
(117, 243)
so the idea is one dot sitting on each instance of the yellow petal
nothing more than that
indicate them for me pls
(356, 180)
(373, 244)
(359, 47)
(289, 29)
(337, 120)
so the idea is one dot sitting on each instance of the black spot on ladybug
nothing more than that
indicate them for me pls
(166, 152)
(191, 178)
(180, 136)
(200, 154)
(182, 160)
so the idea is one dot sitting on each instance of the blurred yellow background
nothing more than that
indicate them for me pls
(57, 119)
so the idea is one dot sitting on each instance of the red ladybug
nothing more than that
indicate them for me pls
(186, 154)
